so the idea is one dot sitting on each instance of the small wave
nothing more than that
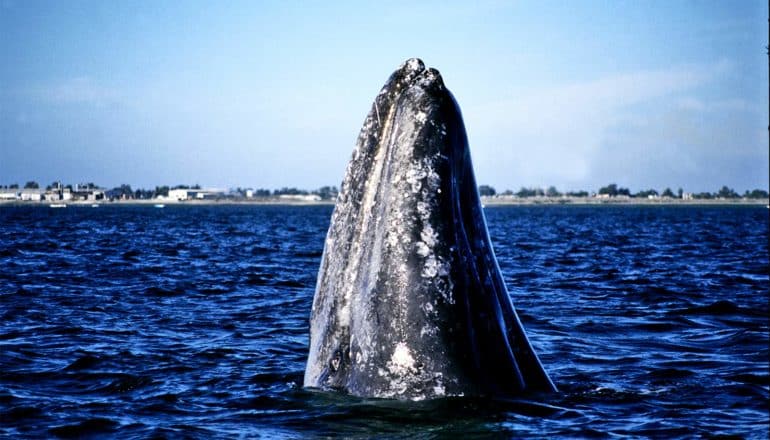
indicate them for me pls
(127, 383)
(288, 283)
(90, 427)
(131, 255)
(215, 353)
(20, 413)
(718, 308)
(666, 374)
(308, 254)
(214, 290)
(162, 292)
(82, 363)
(8, 252)
(259, 279)
(753, 379)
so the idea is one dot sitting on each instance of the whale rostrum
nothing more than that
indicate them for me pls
(410, 302)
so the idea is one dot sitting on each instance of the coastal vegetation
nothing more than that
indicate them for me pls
(614, 191)
(90, 191)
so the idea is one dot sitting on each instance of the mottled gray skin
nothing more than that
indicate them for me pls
(410, 302)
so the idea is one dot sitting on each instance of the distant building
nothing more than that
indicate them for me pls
(9, 194)
(51, 196)
(87, 192)
(249, 193)
(197, 194)
(178, 194)
(301, 197)
(31, 195)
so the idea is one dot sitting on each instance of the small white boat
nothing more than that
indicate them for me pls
(58, 205)
(95, 205)
(159, 205)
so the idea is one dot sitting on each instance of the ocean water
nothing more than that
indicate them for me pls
(192, 322)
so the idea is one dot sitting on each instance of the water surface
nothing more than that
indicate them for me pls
(192, 321)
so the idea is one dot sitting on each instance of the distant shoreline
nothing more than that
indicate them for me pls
(486, 201)
(615, 201)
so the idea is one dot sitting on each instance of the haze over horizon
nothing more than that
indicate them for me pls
(268, 94)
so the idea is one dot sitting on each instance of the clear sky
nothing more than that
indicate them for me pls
(646, 94)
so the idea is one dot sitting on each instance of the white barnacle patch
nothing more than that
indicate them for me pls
(401, 362)
(431, 267)
(414, 175)
(422, 249)
(428, 236)
(438, 389)
(412, 64)
(392, 239)
(434, 180)
(428, 330)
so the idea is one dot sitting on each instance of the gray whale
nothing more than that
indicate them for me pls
(410, 302)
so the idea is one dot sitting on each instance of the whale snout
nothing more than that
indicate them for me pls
(412, 65)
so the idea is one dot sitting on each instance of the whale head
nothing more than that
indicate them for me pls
(410, 302)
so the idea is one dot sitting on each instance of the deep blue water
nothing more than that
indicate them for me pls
(192, 321)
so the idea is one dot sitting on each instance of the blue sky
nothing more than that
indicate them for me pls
(272, 94)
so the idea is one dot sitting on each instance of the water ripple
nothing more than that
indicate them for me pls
(134, 322)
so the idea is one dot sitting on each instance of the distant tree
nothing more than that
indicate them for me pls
(703, 195)
(727, 193)
(609, 190)
(680, 193)
(262, 193)
(326, 192)
(756, 194)
(144, 194)
(530, 192)
(552, 192)
(580, 193)
(161, 191)
(196, 186)
(289, 191)
(13, 186)
(486, 190)
(507, 192)
(668, 193)
(624, 192)
(31, 185)
(123, 191)
(646, 194)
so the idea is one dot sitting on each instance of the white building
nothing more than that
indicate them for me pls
(301, 197)
(198, 194)
(31, 195)
(178, 194)
(9, 194)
